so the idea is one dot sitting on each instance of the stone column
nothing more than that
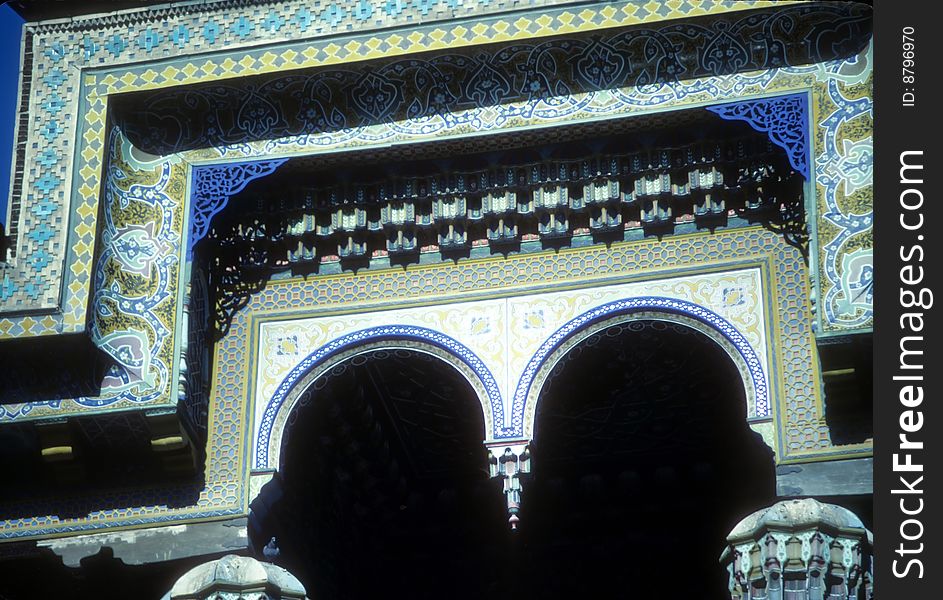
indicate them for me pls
(237, 578)
(799, 550)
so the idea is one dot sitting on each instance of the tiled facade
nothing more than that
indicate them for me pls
(91, 205)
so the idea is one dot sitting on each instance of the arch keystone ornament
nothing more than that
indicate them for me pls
(800, 549)
(237, 578)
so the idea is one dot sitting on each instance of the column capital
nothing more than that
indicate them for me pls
(809, 548)
(232, 576)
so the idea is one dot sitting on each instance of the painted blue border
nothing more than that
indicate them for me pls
(628, 306)
(784, 119)
(374, 334)
(211, 187)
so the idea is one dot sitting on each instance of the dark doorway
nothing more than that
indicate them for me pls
(386, 491)
(642, 462)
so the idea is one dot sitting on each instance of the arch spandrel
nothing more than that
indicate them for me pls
(504, 335)
(737, 304)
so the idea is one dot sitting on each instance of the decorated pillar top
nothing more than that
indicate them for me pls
(234, 575)
(810, 548)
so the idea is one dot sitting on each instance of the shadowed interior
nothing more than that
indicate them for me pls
(642, 463)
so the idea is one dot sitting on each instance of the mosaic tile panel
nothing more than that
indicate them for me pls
(829, 214)
(135, 285)
(288, 349)
(802, 429)
(845, 203)
(839, 214)
(853, 74)
(63, 166)
(802, 432)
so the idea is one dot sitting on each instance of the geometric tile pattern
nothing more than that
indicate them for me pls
(432, 91)
(59, 191)
(800, 431)
(356, 339)
(757, 377)
(834, 272)
(134, 286)
(92, 89)
(794, 380)
(64, 162)
(845, 202)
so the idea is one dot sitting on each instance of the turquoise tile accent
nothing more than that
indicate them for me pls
(55, 51)
(39, 261)
(211, 32)
(303, 18)
(36, 286)
(7, 288)
(54, 104)
(333, 14)
(116, 45)
(47, 183)
(180, 36)
(394, 7)
(48, 157)
(149, 39)
(89, 47)
(425, 6)
(54, 78)
(273, 22)
(51, 130)
(364, 10)
(43, 208)
(243, 26)
(41, 234)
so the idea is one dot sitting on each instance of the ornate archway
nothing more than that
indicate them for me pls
(642, 459)
(383, 479)
(672, 310)
(271, 427)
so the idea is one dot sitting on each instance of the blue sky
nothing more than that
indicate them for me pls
(10, 27)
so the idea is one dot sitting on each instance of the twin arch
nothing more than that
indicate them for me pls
(272, 427)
